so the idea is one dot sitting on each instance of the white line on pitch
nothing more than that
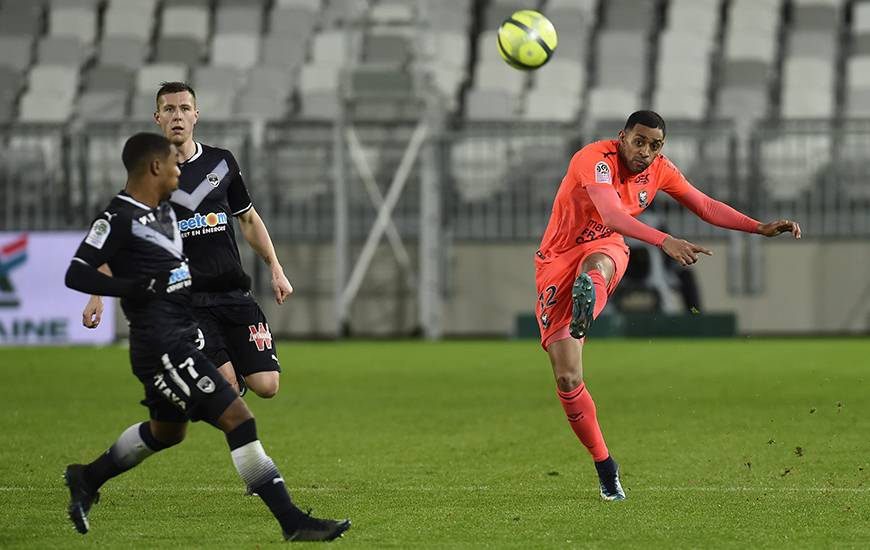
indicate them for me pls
(468, 488)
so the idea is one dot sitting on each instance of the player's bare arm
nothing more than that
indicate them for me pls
(255, 232)
(93, 312)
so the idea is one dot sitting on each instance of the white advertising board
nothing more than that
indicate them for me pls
(36, 308)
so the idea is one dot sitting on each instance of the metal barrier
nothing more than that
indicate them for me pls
(498, 180)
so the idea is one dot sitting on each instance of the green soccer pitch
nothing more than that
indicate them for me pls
(723, 444)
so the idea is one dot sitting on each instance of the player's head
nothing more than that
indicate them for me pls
(152, 158)
(176, 112)
(641, 140)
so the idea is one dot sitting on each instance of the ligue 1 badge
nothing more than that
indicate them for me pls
(642, 198)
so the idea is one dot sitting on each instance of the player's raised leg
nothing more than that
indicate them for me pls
(134, 445)
(589, 292)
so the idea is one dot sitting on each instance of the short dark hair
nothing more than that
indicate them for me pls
(650, 119)
(141, 148)
(174, 88)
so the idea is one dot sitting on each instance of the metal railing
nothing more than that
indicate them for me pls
(498, 179)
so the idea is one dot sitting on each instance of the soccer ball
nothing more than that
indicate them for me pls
(526, 40)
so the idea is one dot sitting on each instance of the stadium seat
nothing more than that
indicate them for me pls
(332, 47)
(608, 103)
(318, 106)
(490, 104)
(858, 72)
(176, 49)
(188, 22)
(123, 51)
(479, 167)
(20, 18)
(239, 20)
(815, 15)
(102, 105)
(790, 163)
(391, 13)
(386, 48)
(499, 76)
(760, 46)
(16, 51)
(628, 15)
(561, 75)
(75, 21)
(743, 104)
(150, 76)
(129, 18)
(551, 105)
(62, 50)
(108, 78)
(745, 74)
(813, 44)
(283, 51)
(267, 80)
(216, 103)
(680, 103)
(235, 50)
(299, 23)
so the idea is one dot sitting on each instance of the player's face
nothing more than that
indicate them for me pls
(640, 146)
(169, 173)
(177, 115)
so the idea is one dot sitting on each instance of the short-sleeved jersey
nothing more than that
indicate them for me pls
(210, 192)
(136, 240)
(575, 220)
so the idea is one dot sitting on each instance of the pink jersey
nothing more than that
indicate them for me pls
(575, 220)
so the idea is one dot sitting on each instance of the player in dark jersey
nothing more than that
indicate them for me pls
(211, 193)
(137, 236)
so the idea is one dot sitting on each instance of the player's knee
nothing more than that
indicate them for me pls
(168, 434)
(567, 382)
(266, 388)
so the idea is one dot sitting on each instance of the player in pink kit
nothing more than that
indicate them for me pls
(583, 255)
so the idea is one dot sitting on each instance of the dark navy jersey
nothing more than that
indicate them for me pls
(136, 240)
(210, 193)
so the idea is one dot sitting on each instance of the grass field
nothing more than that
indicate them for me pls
(729, 443)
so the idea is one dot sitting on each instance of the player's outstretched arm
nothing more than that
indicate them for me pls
(610, 209)
(772, 229)
(257, 235)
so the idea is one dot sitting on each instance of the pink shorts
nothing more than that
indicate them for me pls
(555, 276)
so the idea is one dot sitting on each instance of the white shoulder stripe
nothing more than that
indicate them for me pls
(243, 210)
(131, 200)
(79, 260)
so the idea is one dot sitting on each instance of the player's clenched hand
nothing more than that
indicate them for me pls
(779, 227)
(684, 252)
(93, 312)
(281, 287)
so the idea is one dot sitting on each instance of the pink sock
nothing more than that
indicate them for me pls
(600, 291)
(580, 410)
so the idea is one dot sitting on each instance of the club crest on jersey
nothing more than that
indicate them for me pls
(260, 336)
(642, 198)
(602, 172)
(213, 179)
